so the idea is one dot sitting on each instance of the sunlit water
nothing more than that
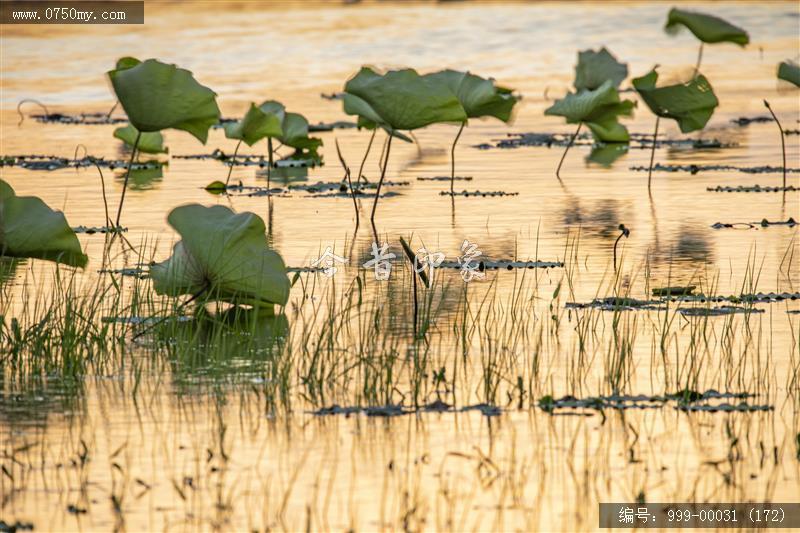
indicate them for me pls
(183, 449)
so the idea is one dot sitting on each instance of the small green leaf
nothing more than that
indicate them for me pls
(691, 104)
(257, 124)
(157, 96)
(479, 97)
(599, 109)
(223, 254)
(789, 71)
(216, 187)
(29, 228)
(707, 28)
(595, 68)
(151, 142)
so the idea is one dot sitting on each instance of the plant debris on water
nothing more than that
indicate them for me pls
(694, 169)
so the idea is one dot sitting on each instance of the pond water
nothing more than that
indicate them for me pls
(213, 432)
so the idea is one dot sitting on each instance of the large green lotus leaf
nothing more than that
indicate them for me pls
(222, 252)
(789, 71)
(151, 142)
(691, 104)
(595, 68)
(599, 109)
(707, 28)
(157, 96)
(29, 228)
(478, 96)
(254, 126)
(400, 100)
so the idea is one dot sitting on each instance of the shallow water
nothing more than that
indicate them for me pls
(213, 451)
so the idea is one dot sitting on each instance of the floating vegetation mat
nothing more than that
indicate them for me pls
(638, 140)
(98, 229)
(686, 400)
(134, 272)
(791, 222)
(250, 160)
(146, 320)
(694, 169)
(619, 303)
(319, 126)
(340, 186)
(724, 310)
(751, 188)
(505, 265)
(86, 119)
(746, 121)
(443, 178)
(51, 162)
(388, 411)
(482, 194)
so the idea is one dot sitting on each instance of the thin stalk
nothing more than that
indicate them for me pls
(380, 183)
(783, 141)
(366, 154)
(31, 100)
(127, 175)
(103, 189)
(699, 59)
(269, 151)
(652, 154)
(569, 145)
(453, 158)
(108, 115)
(233, 160)
(349, 181)
(624, 233)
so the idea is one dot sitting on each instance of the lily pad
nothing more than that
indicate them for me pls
(599, 109)
(224, 254)
(400, 100)
(691, 104)
(254, 126)
(479, 97)
(595, 68)
(789, 71)
(157, 96)
(151, 142)
(29, 228)
(707, 28)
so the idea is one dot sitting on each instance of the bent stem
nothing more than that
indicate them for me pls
(380, 183)
(783, 141)
(699, 59)
(127, 176)
(349, 181)
(366, 154)
(652, 155)
(233, 160)
(624, 233)
(453, 158)
(31, 100)
(569, 145)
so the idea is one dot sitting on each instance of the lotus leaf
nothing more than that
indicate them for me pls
(294, 131)
(151, 142)
(691, 104)
(157, 96)
(257, 124)
(223, 253)
(707, 28)
(400, 100)
(598, 109)
(479, 97)
(789, 71)
(595, 68)
(29, 228)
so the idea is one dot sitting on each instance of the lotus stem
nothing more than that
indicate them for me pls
(783, 141)
(269, 152)
(31, 100)
(113, 107)
(699, 59)
(349, 181)
(233, 160)
(383, 175)
(366, 154)
(652, 155)
(103, 189)
(569, 145)
(453, 159)
(127, 176)
(624, 233)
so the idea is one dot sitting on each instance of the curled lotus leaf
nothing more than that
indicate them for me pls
(691, 104)
(294, 131)
(595, 68)
(224, 255)
(599, 109)
(29, 228)
(479, 97)
(151, 142)
(257, 124)
(789, 71)
(157, 96)
(400, 100)
(707, 28)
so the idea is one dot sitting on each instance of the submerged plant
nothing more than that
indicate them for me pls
(479, 97)
(222, 256)
(157, 96)
(690, 104)
(708, 28)
(149, 142)
(257, 124)
(397, 101)
(29, 228)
